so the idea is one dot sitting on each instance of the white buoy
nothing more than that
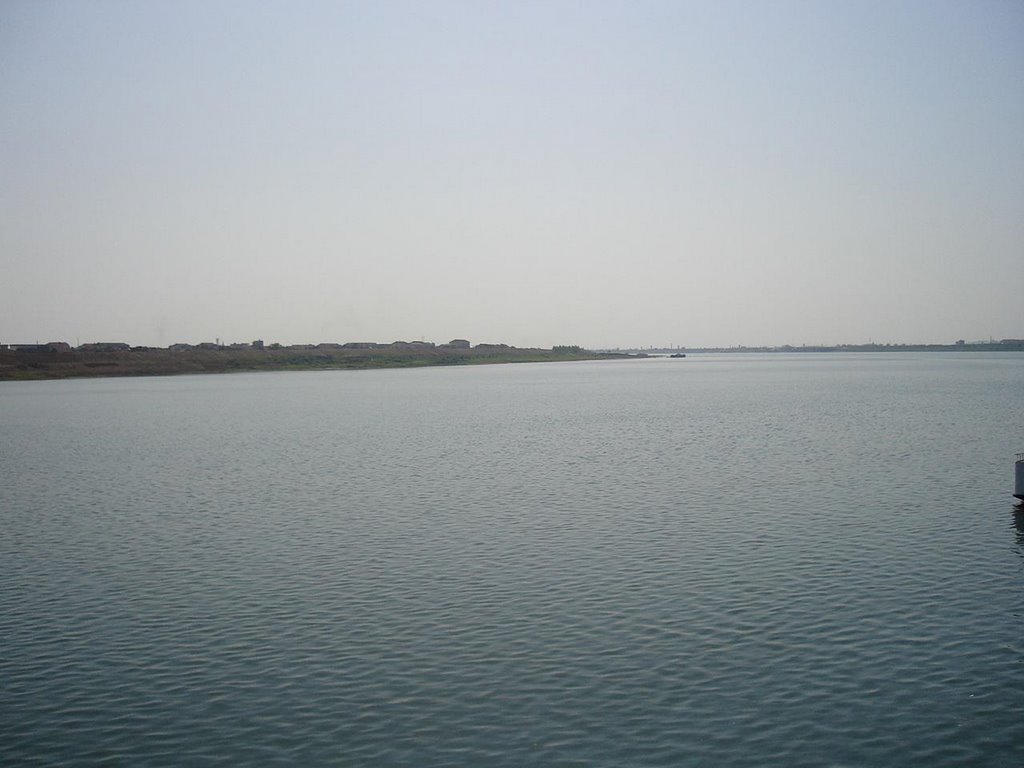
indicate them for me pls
(1018, 485)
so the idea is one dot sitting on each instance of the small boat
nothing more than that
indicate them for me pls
(677, 354)
(1018, 471)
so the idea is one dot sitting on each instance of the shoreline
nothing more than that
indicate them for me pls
(36, 365)
(52, 365)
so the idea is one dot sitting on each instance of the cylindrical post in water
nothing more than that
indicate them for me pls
(1018, 485)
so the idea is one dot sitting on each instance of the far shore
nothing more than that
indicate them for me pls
(1003, 345)
(59, 361)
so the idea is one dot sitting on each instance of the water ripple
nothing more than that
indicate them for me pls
(565, 565)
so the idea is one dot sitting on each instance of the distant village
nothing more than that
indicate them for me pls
(120, 346)
(464, 345)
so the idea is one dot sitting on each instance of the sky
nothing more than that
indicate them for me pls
(609, 174)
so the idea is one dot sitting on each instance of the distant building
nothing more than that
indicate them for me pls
(106, 346)
(458, 344)
(412, 344)
(181, 347)
(40, 347)
(258, 344)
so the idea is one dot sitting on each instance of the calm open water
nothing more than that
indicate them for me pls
(805, 560)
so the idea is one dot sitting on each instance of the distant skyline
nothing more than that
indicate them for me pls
(609, 174)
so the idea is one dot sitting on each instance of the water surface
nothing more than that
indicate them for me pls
(725, 560)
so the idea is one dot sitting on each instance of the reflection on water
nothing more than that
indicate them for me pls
(1018, 524)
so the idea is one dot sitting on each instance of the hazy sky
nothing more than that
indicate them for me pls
(535, 173)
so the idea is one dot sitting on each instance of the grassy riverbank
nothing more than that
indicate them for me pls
(29, 365)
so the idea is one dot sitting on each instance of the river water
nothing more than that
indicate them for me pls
(747, 560)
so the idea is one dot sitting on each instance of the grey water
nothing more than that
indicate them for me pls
(747, 560)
